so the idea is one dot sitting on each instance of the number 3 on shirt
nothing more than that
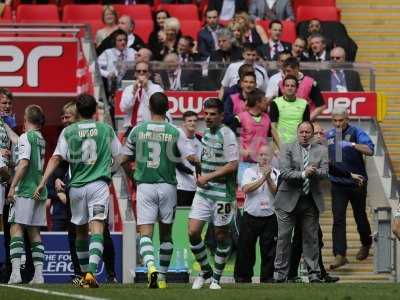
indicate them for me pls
(154, 155)
(89, 151)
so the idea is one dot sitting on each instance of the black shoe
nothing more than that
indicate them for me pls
(295, 280)
(330, 279)
(112, 279)
(316, 280)
(243, 280)
(278, 280)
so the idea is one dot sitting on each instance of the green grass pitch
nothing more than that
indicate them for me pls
(229, 291)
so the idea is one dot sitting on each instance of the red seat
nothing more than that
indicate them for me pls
(323, 13)
(289, 31)
(297, 3)
(37, 13)
(143, 28)
(181, 11)
(191, 28)
(136, 11)
(80, 13)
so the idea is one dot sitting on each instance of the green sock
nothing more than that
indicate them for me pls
(95, 252)
(37, 253)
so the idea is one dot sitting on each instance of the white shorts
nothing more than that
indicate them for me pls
(89, 202)
(26, 211)
(2, 197)
(155, 202)
(220, 213)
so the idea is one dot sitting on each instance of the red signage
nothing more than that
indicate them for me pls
(29, 66)
(359, 104)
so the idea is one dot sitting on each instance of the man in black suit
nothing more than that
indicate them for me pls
(270, 50)
(128, 25)
(337, 79)
(318, 50)
(175, 78)
(207, 37)
(185, 50)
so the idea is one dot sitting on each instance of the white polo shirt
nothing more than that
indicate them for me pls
(259, 203)
(187, 182)
(231, 76)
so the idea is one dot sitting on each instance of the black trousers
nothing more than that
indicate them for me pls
(252, 228)
(185, 198)
(341, 195)
(297, 251)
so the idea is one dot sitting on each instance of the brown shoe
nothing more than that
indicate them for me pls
(338, 262)
(363, 252)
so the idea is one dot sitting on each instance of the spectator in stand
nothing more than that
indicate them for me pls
(159, 18)
(112, 62)
(135, 97)
(227, 52)
(186, 172)
(271, 49)
(238, 33)
(275, 79)
(298, 49)
(249, 57)
(303, 165)
(185, 50)
(314, 27)
(175, 78)
(110, 19)
(347, 146)
(169, 39)
(338, 79)
(143, 54)
(271, 9)
(227, 8)
(253, 33)
(259, 183)
(207, 38)
(126, 24)
(308, 88)
(318, 50)
(288, 111)
(235, 103)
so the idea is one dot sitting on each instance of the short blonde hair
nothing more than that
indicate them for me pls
(172, 23)
(69, 107)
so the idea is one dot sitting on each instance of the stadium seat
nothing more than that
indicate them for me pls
(181, 11)
(297, 3)
(191, 28)
(323, 13)
(289, 29)
(143, 28)
(136, 12)
(37, 13)
(81, 13)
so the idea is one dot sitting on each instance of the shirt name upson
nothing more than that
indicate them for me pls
(155, 136)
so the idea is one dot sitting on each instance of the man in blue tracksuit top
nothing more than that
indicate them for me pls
(347, 144)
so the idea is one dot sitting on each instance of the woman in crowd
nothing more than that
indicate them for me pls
(159, 18)
(110, 20)
(253, 33)
(169, 38)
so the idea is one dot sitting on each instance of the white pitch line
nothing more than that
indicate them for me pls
(48, 292)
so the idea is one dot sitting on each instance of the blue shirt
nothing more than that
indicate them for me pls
(348, 159)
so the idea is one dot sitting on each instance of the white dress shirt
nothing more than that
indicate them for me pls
(128, 100)
(108, 60)
(231, 76)
(273, 85)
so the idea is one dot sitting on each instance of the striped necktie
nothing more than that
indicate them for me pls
(306, 182)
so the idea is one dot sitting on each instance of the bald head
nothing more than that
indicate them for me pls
(338, 54)
(144, 54)
(125, 23)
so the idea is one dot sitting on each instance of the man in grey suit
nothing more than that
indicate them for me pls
(271, 9)
(299, 199)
